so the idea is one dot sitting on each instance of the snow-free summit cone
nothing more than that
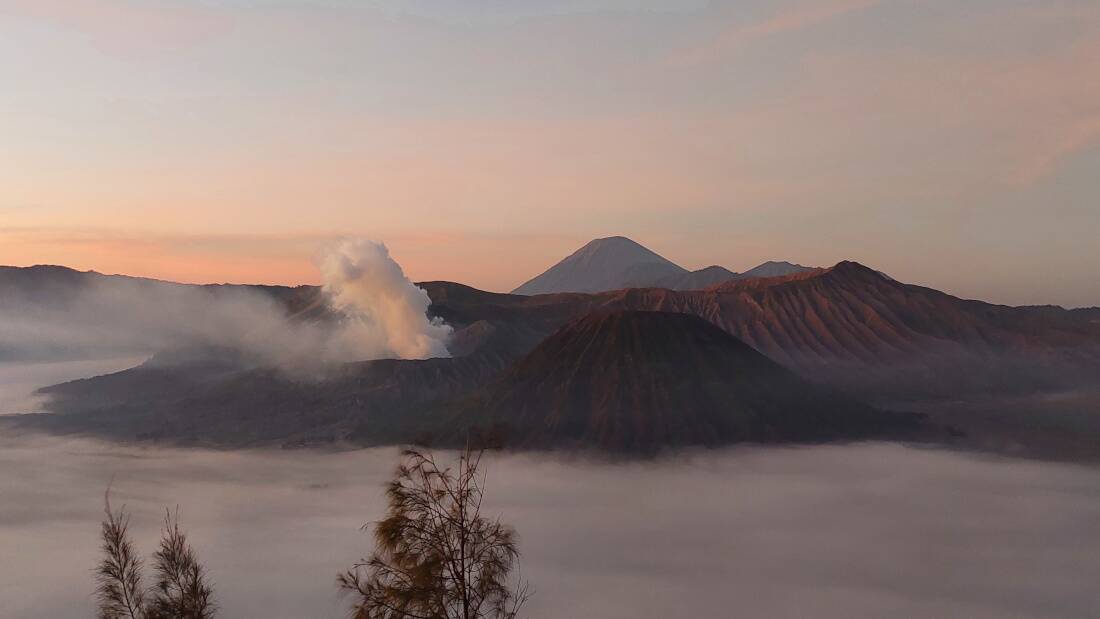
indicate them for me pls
(604, 264)
(635, 381)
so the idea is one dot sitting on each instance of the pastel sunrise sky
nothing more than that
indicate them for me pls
(949, 143)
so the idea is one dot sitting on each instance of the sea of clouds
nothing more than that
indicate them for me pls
(869, 530)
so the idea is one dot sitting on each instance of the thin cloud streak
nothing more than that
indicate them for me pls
(791, 20)
(1074, 139)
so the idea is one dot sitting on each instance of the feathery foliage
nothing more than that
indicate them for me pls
(180, 590)
(118, 576)
(436, 556)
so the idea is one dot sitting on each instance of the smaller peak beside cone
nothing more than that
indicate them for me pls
(851, 268)
(843, 271)
(775, 268)
(850, 265)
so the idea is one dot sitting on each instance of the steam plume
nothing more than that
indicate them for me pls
(384, 311)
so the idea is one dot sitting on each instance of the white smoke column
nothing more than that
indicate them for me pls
(385, 312)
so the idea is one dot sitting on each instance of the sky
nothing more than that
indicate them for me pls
(951, 144)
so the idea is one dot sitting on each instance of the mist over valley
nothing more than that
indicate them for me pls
(868, 530)
(595, 309)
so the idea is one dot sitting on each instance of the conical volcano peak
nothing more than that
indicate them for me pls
(604, 264)
(639, 381)
(619, 248)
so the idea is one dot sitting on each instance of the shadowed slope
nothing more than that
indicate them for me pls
(639, 381)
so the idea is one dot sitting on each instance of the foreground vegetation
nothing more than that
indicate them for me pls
(436, 557)
(180, 589)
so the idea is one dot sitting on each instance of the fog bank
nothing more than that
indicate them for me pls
(849, 531)
(19, 381)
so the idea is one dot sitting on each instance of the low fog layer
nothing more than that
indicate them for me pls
(385, 316)
(19, 381)
(846, 531)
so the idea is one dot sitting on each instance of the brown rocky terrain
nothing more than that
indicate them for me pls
(847, 325)
(636, 381)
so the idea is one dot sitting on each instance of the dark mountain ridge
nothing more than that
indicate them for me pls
(851, 326)
(60, 285)
(847, 326)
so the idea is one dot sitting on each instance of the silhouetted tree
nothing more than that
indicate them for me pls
(180, 590)
(119, 589)
(436, 556)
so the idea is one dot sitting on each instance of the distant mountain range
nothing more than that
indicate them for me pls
(54, 284)
(773, 268)
(616, 262)
(629, 369)
(847, 325)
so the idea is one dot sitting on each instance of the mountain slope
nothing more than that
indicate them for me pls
(847, 326)
(774, 268)
(851, 324)
(59, 285)
(640, 381)
(854, 327)
(603, 264)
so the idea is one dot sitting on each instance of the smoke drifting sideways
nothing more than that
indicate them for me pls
(376, 313)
